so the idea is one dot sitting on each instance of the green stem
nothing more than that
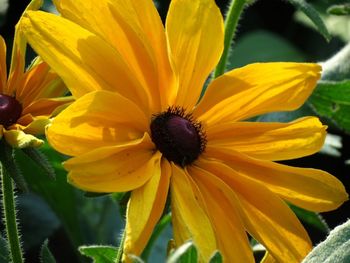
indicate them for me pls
(120, 249)
(231, 22)
(8, 199)
(163, 223)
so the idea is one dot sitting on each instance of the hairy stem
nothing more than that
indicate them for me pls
(120, 249)
(231, 21)
(9, 212)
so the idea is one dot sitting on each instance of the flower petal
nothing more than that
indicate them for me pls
(39, 82)
(135, 29)
(114, 168)
(224, 213)
(311, 189)
(18, 139)
(145, 208)
(37, 126)
(267, 218)
(84, 61)
(95, 120)
(187, 209)
(19, 48)
(256, 89)
(46, 106)
(195, 35)
(270, 141)
(3, 67)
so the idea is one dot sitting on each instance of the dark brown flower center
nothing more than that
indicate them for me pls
(10, 110)
(177, 136)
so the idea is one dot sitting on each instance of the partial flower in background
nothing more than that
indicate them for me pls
(139, 125)
(28, 98)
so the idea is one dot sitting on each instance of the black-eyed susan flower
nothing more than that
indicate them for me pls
(28, 98)
(139, 125)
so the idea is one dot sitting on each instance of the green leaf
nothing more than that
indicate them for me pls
(187, 253)
(339, 10)
(41, 160)
(37, 219)
(311, 218)
(337, 25)
(335, 249)
(59, 195)
(45, 254)
(262, 46)
(93, 194)
(99, 254)
(216, 258)
(313, 15)
(286, 116)
(4, 251)
(332, 100)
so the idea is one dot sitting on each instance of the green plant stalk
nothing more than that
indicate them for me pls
(118, 259)
(231, 21)
(166, 219)
(9, 212)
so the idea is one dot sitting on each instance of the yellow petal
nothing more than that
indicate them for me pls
(84, 61)
(114, 168)
(135, 29)
(3, 67)
(266, 217)
(256, 89)
(37, 126)
(268, 258)
(39, 82)
(195, 35)
(46, 106)
(270, 141)
(95, 120)
(187, 207)
(19, 52)
(19, 139)
(311, 189)
(145, 208)
(224, 213)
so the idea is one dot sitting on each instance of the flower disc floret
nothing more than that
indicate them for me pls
(178, 136)
(10, 110)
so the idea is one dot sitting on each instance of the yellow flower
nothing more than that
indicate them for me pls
(137, 126)
(27, 98)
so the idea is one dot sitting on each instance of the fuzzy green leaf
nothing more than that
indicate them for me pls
(335, 249)
(45, 254)
(99, 254)
(337, 68)
(313, 15)
(187, 253)
(332, 100)
(41, 160)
